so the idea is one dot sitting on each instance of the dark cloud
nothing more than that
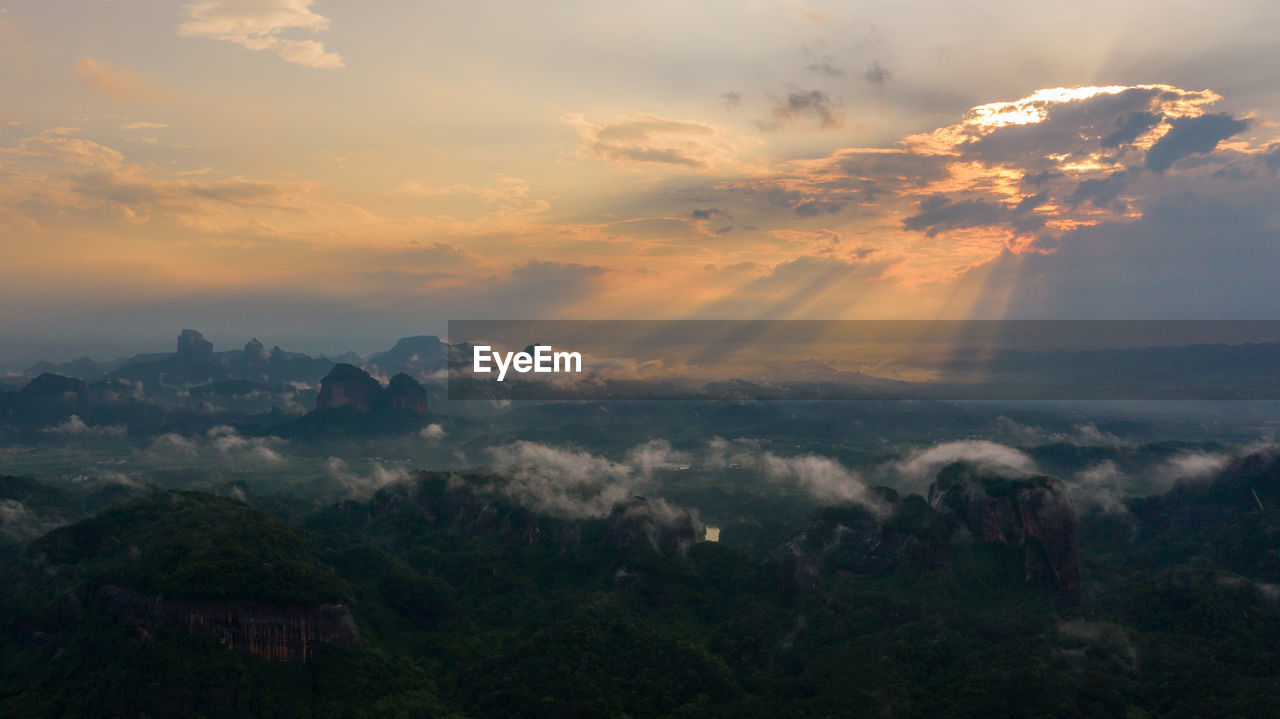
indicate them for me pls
(1069, 130)
(1192, 136)
(1101, 191)
(1194, 254)
(658, 155)
(1068, 154)
(1237, 172)
(938, 214)
(1031, 202)
(825, 66)
(849, 178)
(1272, 158)
(716, 214)
(1039, 179)
(709, 213)
(813, 105)
(813, 208)
(802, 204)
(877, 74)
(885, 171)
(782, 197)
(1130, 127)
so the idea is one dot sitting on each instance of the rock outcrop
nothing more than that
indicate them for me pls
(269, 631)
(253, 350)
(404, 393)
(1031, 512)
(193, 346)
(349, 385)
(854, 539)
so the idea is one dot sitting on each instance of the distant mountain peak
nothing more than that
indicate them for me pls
(54, 386)
(418, 355)
(254, 349)
(193, 345)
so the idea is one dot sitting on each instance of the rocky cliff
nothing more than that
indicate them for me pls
(349, 385)
(404, 393)
(269, 631)
(856, 539)
(253, 350)
(1031, 512)
(192, 346)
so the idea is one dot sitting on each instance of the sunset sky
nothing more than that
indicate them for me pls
(333, 175)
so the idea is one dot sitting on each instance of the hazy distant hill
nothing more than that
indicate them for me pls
(195, 362)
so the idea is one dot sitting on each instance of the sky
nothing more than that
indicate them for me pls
(332, 175)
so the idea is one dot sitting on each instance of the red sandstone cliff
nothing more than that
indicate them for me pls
(348, 384)
(1033, 513)
(269, 631)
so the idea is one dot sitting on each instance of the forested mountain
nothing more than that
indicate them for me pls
(435, 597)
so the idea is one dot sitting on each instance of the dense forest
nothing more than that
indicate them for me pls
(469, 605)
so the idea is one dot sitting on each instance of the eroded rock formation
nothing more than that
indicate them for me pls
(271, 632)
(348, 385)
(856, 539)
(1032, 512)
(404, 393)
(193, 346)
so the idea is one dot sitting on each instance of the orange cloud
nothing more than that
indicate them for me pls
(260, 25)
(58, 144)
(659, 141)
(117, 83)
(143, 125)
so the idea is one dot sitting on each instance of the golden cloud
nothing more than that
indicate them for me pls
(59, 144)
(117, 83)
(259, 25)
(658, 141)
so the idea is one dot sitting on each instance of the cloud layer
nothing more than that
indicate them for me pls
(262, 25)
